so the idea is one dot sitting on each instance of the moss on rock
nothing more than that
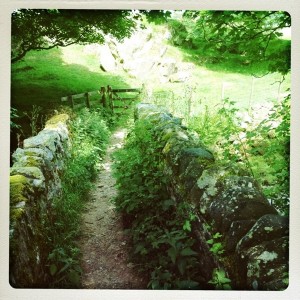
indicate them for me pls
(61, 118)
(19, 188)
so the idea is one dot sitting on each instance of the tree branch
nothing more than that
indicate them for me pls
(23, 53)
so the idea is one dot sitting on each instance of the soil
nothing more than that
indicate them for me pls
(104, 244)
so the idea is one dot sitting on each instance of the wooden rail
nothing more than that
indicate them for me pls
(108, 96)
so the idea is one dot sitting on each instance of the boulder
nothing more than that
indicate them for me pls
(106, 59)
(44, 153)
(236, 231)
(181, 76)
(46, 138)
(239, 199)
(266, 263)
(268, 227)
(33, 174)
(168, 67)
(262, 254)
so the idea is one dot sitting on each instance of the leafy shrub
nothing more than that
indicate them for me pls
(259, 147)
(89, 136)
(179, 34)
(159, 227)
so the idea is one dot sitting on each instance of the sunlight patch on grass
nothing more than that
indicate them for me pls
(75, 54)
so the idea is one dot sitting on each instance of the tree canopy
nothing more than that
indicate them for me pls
(38, 29)
(254, 35)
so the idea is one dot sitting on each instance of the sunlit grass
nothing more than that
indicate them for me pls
(212, 83)
(46, 76)
(43, 77)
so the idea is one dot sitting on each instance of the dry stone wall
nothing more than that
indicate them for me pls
(255, 236)
(34, 183)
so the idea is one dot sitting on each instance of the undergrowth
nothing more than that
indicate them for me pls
(89, 137)
(160, 229)
(256, 141)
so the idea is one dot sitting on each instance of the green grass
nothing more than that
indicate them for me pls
(43, 77)
(209, 81)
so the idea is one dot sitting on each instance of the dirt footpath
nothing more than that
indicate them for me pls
(103, 243)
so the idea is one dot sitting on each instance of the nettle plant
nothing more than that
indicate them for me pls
(159, 227)
(256, 144)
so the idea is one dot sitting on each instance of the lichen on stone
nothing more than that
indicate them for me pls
(268, 256)
(208, 182)
(267, 228)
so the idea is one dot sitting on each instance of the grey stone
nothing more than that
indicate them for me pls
(266, 263)
(255, 237)
(34, 174)
(268, 227)
(238, 200)
(45, 139)
(236, 231)
(106, 59)
(181, 76)
(45, 153)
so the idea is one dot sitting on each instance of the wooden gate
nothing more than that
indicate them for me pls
(118, 98)
(110, 98)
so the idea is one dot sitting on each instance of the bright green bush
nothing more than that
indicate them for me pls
(89, 136)
(159, 227)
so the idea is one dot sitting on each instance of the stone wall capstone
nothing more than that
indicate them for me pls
(34, 183)
(255, 236)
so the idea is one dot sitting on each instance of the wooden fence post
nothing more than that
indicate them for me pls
(103, 96)
(87, 100)
(110, 98)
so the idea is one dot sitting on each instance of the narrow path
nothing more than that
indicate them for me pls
(103, 243)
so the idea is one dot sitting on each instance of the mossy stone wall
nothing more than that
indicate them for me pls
(34, 183)
(255, 236)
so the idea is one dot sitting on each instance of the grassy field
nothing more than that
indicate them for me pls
(42, 78)
(209, 83)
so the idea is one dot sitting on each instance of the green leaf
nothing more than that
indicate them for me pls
(74, 277)
(226, 287)
(187, 226)
(225, 280)
(154, 284)
(188, 252)
(172, 252)
(167, 204)
(220, 274)
(51, 255)
(216, 248)
(181, 265)
(217, 235)
(187, 284)
(139, 248)
(65, 267)
(53, 269)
